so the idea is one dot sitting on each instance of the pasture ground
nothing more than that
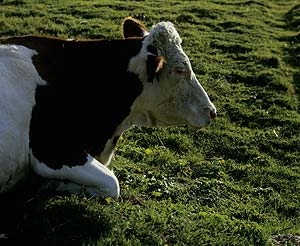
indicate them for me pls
(236, 182)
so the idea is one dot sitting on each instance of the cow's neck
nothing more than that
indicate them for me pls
(134, 118)
(106, 154)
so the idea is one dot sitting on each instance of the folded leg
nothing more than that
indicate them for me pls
(97, 178)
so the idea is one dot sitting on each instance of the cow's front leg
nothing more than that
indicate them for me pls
(97, 178)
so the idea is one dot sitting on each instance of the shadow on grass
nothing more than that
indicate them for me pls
(297, 80)
(293, 18)
(293, 48)
(49, 219)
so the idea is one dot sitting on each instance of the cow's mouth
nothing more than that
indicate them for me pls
(199, 125)
(194, 128)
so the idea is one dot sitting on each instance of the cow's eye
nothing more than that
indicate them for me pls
(180, 71)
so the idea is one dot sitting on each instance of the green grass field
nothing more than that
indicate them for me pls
(236, 182)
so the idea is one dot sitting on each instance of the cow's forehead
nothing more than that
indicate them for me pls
(165, 38)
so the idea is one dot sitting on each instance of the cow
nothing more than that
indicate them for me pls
(64, 103)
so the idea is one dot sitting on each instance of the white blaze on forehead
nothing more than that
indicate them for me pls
(165, 38)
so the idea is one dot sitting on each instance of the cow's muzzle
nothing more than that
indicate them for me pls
(213, 113)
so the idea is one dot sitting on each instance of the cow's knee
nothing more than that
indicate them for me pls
(108, 188)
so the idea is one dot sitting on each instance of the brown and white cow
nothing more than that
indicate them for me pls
(65, 103)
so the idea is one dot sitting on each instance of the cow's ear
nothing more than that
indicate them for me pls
(154, 66)
(133, 28)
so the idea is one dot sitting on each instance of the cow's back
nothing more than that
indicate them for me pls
(18, 80)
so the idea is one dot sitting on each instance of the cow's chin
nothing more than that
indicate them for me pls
(198, 125)
(192, 124)
(195, 128)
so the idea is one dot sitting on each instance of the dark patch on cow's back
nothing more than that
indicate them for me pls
(89, 93)
(49, 62)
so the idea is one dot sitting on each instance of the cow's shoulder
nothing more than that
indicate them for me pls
(89, 94)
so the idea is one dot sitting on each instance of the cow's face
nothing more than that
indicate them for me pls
(171, 92)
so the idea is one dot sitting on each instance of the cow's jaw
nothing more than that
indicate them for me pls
(180, 104)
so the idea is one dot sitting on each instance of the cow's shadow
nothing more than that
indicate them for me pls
(45, 217)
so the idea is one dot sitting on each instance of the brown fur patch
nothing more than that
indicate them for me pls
(154, 66)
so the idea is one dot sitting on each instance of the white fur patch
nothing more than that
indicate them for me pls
(18, 81)
(165, 39)
(97, 178)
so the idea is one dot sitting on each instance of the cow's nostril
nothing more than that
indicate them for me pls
(213, 114)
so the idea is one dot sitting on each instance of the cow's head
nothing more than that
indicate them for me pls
(171, 94)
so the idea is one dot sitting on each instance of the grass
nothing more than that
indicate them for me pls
(234, 183)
